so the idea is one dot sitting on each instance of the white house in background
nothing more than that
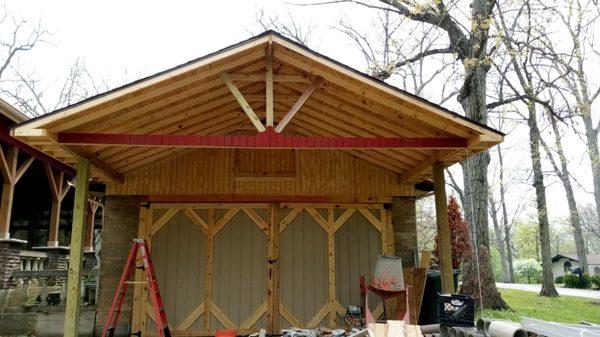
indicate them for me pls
(561, 264)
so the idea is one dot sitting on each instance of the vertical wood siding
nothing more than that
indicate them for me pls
(212, 172)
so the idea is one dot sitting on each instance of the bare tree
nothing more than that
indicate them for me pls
(522, 60)
(574, 62)
(21, 86)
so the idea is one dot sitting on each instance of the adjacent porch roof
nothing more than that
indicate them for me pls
(265, 92)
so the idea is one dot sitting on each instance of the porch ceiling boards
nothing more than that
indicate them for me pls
(264, 82)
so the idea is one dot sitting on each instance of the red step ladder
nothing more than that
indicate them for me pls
(157, 304)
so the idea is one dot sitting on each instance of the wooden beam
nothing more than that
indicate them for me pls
(266, 139)
(242, 101)
(269, 86)
(99, 166)
(76, 256)
(58, 191)
(425, 165)
(299, 103)
(441, 212)
(41, 156)
(276, 78)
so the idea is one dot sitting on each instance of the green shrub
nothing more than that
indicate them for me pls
(528, 270)
(574, 281)
(560, 279)
(596, 281)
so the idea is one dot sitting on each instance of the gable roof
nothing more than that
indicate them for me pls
(191, 99)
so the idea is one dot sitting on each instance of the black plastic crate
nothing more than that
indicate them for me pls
(456, 310)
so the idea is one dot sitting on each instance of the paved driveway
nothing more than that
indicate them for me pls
(595, 294)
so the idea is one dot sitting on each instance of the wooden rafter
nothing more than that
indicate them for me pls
(243, 103)
(299, 103)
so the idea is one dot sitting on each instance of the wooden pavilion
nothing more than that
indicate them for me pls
(266, 177)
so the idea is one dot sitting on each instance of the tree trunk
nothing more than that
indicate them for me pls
(499, 241)
(509, 257)
(473, 100)
(574, 217)
(593, 152)
(548, 288)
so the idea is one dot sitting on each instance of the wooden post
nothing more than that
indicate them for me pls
(444, 244)
(273, 267)
(89, 229)
(76, 257)
(269, 85)
(58, 190)
(11, 174)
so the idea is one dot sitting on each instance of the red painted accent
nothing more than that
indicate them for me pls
(266, 139)
(6, 138)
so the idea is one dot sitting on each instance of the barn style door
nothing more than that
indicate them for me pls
(323, 251)
(249, 266)
(211, 266)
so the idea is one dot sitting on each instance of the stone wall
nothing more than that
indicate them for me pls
(119, 228)
(404, 220)
(9, 261)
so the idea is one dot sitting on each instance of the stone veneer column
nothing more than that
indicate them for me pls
(119, 228)
(404, 221)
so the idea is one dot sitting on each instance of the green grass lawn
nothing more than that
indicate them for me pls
(567, 309)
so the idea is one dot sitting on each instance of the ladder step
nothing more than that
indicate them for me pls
(136, 282)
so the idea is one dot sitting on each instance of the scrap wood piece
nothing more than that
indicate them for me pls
(396, 328)
(419, 281)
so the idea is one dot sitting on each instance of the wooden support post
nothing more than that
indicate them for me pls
(331, 268)
(89, 229)
(208, 270)
(269, 86)
(11, 174)
(76, 257)
(8, 189)
(444, 244)
(58, 190)
(273, 265)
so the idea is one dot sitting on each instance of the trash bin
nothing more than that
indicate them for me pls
(433, 287)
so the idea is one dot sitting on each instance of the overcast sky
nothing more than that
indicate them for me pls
(124, 40)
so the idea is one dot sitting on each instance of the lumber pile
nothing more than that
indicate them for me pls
(394, 329)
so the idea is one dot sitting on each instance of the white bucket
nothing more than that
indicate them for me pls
(388, 274)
